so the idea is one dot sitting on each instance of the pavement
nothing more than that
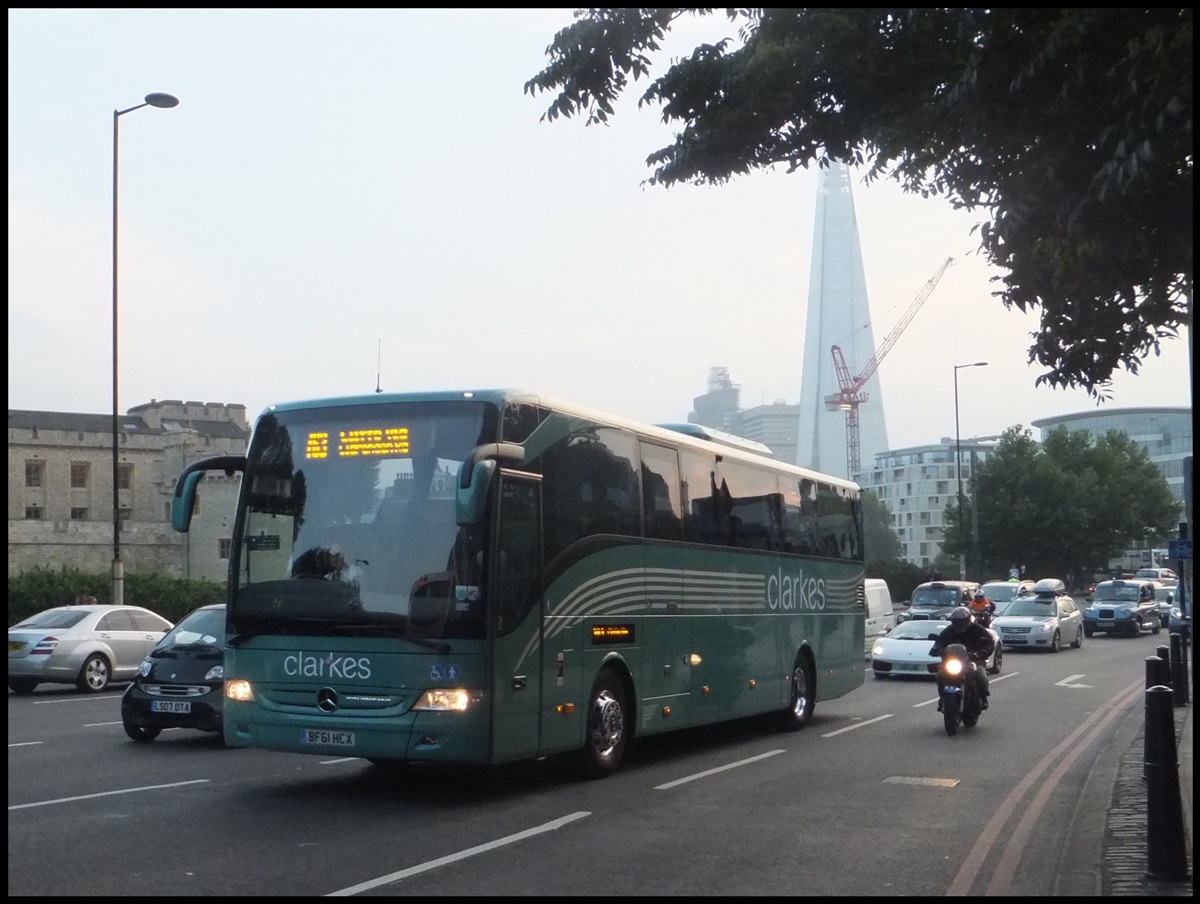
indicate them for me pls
(1125, 858)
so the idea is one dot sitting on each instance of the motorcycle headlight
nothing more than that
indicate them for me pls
(954, 666)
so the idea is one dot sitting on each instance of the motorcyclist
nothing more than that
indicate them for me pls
(979, 643)
(982, 609)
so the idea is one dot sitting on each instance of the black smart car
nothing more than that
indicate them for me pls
(181, 682)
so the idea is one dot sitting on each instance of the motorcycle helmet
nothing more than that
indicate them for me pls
(980, 597)
(960, 616)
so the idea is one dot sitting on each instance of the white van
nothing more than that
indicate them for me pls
(881, 616)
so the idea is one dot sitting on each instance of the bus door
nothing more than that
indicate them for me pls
(517, 614)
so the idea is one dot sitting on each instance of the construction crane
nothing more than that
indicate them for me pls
(850, 395)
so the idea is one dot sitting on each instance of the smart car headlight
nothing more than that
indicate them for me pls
(216, 673)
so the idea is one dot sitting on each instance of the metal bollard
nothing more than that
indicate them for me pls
(1179, 682)
(1166, 852)
(1158, 671)
(1164, 653)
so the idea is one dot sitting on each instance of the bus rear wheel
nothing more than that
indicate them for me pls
(802, 696)
(607, 732)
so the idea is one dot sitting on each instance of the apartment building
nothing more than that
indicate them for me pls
(916, 484)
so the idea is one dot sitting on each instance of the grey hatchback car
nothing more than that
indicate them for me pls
(88, 646)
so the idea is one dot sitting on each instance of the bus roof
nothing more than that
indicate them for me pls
(690, 435)
(719, 436)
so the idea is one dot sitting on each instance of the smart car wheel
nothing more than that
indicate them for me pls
(94, 675)
(141, 733)
(22, 685)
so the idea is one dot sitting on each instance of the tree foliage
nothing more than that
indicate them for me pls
(880, 542)
(1070, 128)
(1062, 508)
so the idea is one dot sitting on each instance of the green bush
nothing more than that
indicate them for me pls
(902, 577)
(45, 588)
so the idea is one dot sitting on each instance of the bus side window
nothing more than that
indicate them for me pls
(660, 493)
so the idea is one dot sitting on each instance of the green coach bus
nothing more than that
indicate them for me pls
(489, 576)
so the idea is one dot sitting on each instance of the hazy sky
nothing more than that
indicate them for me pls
(351, 196)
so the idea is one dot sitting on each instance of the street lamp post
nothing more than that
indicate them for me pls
(118, 571)
(962, 556)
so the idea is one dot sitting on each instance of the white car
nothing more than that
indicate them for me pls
(905, 650)
(1164, 576)
(1047, 619)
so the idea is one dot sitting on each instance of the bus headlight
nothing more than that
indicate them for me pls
(446, 699)
(240, 690)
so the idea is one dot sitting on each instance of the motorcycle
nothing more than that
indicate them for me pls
(957, 689)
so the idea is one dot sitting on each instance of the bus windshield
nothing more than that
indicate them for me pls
(347, 523)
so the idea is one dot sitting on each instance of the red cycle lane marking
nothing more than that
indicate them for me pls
(984, 844)
(1002, 877)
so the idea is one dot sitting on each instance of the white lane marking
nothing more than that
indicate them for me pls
(859, 725)
(461, 855)
(88, 699)
(706, 773)
(991, 681)
(27, 744)
(1067, 682)
(65, 800)
(100, 724)
(345, 759)
(917, 780)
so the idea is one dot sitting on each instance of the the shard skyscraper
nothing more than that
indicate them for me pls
(838, 314)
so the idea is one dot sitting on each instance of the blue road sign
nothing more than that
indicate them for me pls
(1179, 549)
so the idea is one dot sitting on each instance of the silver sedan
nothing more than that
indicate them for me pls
(87, 646)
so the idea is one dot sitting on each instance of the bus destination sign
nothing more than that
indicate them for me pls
(366, 441)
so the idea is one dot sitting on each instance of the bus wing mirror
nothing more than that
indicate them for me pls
(475, 477)
(183, 500)
(469, 500)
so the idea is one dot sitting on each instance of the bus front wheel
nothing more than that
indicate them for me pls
(802, 696)
(607, 726)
